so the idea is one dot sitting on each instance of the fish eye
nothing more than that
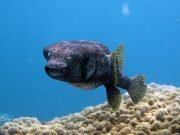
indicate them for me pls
(49, 54)
(46, 53)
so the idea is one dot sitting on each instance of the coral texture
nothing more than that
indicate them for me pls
(5, 118)
(157, 114)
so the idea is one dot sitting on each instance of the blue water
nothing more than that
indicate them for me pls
(150, 31)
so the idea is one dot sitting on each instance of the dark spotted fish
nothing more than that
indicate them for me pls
(88, 64)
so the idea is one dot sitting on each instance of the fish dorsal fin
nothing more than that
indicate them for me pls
(120, 57)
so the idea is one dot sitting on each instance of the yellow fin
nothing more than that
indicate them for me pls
(120, 57)
(114, 68)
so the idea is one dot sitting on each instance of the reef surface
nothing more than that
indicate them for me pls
(157, 114)
(5, 118)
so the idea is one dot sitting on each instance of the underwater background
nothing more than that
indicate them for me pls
(149, 30)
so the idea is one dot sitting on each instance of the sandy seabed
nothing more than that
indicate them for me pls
(157, 114)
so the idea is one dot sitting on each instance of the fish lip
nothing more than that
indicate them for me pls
(54, 73)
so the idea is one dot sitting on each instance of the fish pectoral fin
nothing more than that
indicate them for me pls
(120, 57)
(117, 62)
(113, 97)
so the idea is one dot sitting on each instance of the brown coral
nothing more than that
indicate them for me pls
(157, 114)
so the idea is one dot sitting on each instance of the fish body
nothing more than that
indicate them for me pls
(89, 64)
(85, 63)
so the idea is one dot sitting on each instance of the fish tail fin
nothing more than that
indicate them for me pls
(137, 88)
(117, 62)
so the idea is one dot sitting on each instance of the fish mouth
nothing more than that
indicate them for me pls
(53, 72)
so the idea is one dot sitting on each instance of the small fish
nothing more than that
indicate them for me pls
(88, 64)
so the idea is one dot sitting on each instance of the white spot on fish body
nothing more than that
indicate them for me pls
(69, 58)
